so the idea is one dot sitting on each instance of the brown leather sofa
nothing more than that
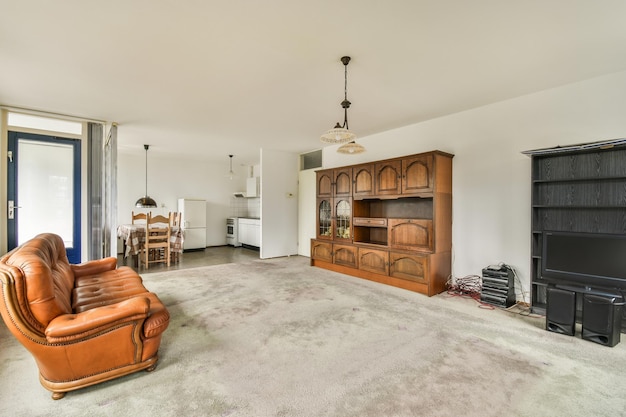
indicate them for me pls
(83, 324)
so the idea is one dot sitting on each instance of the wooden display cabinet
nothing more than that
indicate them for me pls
(399, 216)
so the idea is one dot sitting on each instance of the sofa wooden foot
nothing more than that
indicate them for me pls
(151, 368)
(58, 395)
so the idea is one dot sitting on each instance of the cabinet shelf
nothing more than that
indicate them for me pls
(373, 243)
(579, 206)
(575, 180)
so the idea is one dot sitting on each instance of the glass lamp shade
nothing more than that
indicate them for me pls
(351, 148)
(145, 201)
(337, 135)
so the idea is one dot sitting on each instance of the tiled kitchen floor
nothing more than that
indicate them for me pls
(210, 256)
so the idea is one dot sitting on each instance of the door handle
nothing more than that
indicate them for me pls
(11, 210)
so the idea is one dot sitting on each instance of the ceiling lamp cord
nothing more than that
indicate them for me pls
(345, 103)
(231, 174)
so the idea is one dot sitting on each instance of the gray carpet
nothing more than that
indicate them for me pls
(279, 338)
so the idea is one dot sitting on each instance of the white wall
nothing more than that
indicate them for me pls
(491, 178)
(279, 203)
(307, 210)
(170, 179)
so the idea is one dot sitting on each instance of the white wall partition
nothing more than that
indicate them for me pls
(279, 203)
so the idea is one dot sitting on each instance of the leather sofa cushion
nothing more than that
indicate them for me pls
(118, 285)
(105, 293)
(102, 278)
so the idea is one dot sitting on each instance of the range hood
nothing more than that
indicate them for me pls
(252, 189)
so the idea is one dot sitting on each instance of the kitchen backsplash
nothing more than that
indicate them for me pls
(245, 207)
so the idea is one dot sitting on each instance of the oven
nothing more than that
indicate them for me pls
(232, 234)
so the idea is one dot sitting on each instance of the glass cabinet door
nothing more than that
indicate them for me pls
(324, 219)
(343, 216)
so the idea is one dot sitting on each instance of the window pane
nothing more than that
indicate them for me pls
(45, 190)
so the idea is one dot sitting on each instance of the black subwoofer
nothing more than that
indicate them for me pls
(561, 311)
(602, 319)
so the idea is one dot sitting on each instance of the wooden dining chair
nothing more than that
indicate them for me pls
(138, 218)
(175, 226)
(157, 244)
(175, 218)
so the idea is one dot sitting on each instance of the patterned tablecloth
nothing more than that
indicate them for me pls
(134, 237)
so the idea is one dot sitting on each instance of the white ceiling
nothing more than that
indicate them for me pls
(208, 78)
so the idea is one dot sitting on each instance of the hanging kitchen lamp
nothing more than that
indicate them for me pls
(231, 174)
(341, 133)
(146, 201)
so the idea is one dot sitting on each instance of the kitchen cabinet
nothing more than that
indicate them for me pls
(253, 187)
(394, 227)
(249, 232)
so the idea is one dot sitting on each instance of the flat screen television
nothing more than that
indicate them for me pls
(588, 259)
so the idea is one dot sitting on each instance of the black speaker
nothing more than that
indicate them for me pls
(602, 319)
(561, 311)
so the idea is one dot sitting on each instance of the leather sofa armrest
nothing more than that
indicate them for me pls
(94, 267)
(72, 327)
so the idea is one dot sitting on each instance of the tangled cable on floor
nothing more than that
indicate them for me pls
(468, 286)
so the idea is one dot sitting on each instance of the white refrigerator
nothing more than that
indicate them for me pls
(193, 220)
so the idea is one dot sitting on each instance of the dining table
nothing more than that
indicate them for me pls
(134, 238)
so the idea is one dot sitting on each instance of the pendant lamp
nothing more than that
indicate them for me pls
(341, 133)
(351, 148)
(146, 201)
(231, 174)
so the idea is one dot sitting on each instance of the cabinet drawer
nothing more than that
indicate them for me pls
(409, 267)
(411, 234)
(370, 221)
